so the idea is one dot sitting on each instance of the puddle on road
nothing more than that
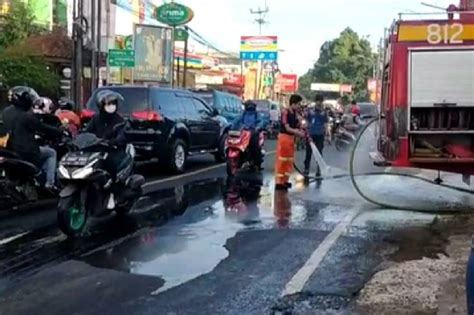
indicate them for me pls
(201, 217)
(206, 215)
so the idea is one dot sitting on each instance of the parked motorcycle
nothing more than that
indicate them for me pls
(91, 190)
(238, 151)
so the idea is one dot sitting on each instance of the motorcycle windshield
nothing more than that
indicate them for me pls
(86, 140)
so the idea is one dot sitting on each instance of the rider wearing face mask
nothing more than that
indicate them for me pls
(103, 126)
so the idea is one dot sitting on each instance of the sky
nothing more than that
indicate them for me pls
(302, 26)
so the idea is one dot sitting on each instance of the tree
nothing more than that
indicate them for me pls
(18, 69)
(18, 24)
(347, 59)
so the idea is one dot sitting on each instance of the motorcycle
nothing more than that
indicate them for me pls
(22, 182)
(89, 189)
(238, 151)
(342, 137)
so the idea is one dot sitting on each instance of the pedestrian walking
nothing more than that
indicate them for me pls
(317, 127)
(286, 143)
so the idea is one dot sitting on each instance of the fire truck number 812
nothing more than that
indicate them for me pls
(447, 34)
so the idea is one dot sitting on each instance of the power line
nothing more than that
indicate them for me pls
(194, 35)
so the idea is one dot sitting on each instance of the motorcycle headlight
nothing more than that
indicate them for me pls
(63, 172)
(82, 173)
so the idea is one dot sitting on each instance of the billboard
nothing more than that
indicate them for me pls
(153, 53)
(286, 83)
(258, 47)
(325, 87)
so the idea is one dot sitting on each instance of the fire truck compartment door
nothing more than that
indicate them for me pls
(440, 77)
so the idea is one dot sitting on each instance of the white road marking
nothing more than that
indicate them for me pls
(12, 238)
(299, 280)
(168, 179)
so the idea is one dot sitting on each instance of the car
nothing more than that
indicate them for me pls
(227, 105)
(368, 111)
(168, 124)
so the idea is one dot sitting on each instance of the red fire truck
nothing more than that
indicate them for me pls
(428, 92)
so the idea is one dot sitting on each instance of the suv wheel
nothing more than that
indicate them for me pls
(178, 156)
(220, 155)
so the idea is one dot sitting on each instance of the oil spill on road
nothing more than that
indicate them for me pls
(193, 243)
(47, 246)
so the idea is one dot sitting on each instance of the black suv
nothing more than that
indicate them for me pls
(168, 124)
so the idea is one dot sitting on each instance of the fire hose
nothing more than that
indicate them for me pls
(382, 204)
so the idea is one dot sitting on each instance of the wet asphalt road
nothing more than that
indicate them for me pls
(202, 244)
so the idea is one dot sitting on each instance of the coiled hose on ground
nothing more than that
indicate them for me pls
(359, 190)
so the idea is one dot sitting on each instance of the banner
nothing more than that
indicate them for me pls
(258, 43)
(286, 83)
(153, 54)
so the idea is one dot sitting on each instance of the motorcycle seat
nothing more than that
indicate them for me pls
(16, 165)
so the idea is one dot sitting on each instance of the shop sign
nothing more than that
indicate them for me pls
(174, 14)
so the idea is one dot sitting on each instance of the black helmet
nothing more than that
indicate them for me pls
(250, 105)
(23, 97)
(108, 97)
(66, 104)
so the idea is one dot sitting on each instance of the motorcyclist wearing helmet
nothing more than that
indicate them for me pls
(43, 106)
(104, 126)
(68, 117)
(250, 120)
(22, 125)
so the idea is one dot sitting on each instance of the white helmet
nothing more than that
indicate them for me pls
(44, 105)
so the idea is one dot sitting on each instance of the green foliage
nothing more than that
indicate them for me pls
(17, 69)
(347, 59)
(18, 66)
(18, 24)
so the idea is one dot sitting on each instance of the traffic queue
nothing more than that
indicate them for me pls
(87, 161)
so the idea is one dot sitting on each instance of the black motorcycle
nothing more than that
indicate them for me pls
(89, 187)
(21, 182)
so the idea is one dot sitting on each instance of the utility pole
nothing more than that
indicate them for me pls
(79, 29)
(99, 39)
(185, 70)
(74, 49)
(93, 20)
(107, 22)
(260, 20)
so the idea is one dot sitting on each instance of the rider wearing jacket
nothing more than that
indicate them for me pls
(68, 117)
(250, 120)
(22, 125)
(104, 126)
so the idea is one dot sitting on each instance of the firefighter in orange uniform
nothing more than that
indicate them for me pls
(286, 143)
